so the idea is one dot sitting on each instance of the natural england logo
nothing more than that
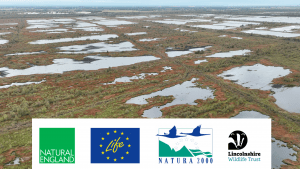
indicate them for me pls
(115, 145)
(57, 145)
(185, 145)
(238, 141)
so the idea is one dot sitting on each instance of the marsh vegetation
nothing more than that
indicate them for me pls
(91, 65)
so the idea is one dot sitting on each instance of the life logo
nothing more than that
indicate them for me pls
(185, 145)
(115, 145)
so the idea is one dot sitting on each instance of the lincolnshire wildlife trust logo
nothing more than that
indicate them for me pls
(57, 145)
(185, 145)
(115, 145)
(239, 139)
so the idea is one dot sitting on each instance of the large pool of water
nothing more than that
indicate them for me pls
(185, 93)
(63, 65)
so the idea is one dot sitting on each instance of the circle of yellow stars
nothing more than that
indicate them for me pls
(104, 152)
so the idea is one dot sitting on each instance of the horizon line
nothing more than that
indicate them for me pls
(159, 6)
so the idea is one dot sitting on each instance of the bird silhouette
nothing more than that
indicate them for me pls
(172, 133)
(196, 132)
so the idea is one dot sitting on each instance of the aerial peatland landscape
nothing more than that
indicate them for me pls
(231, 62)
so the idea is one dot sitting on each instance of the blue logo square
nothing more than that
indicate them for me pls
(115, 145)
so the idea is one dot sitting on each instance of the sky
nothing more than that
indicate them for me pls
(149, 3)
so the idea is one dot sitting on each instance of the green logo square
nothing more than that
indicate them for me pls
(57, 145)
